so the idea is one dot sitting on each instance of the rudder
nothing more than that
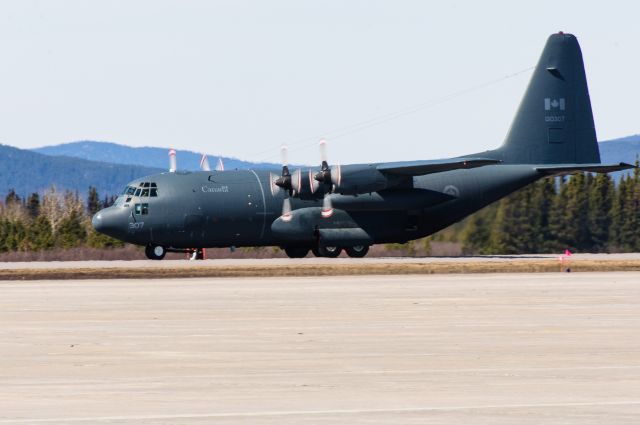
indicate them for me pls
(554, 122)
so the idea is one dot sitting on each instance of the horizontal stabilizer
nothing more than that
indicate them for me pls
(419, 168)
(554, 170)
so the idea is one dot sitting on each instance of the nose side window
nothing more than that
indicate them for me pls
(138, 209)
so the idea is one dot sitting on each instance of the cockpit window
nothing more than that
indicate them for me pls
(143, 189)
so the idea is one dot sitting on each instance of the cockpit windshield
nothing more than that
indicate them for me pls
(142, 190)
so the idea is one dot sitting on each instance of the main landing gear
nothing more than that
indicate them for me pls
(357, 251)
(155, 252)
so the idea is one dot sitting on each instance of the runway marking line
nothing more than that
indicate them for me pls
(322, 412)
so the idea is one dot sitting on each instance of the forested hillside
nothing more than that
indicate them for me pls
(146, 156)
(27, 172)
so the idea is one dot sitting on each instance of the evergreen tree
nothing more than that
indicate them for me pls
(544, 193)
(476, 233)
(40, 234)
(71, 231)
(33, 205)
(93, 201)
(629, 234)
(513, 229)
(12, 198)
(618, 214)
(600, 214)
(577, 211)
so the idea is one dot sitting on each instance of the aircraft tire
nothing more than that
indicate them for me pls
(155, 252)
(296, 251)
(329, 251)
(357, 251)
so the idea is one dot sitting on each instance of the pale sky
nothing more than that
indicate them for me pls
(239, 78)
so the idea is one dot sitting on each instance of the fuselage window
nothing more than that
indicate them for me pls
(145, 209)
(154, 192)
(146, 184)
(145, 192)
(137, 192)
(138, 209)
(153, 184)
(131, 190)
(141, 184)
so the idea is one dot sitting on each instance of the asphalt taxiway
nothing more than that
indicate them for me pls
(455, 349)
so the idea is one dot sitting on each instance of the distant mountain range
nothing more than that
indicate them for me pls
(147, 156)
(109, 166)
(28, 172)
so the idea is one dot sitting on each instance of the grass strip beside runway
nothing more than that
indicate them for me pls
(382, 268)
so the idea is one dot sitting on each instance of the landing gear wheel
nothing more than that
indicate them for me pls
(155, 252)
(329, 251)
(296, 251)
(357, 251)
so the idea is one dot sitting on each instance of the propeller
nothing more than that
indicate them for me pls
(288, 182)
(204, 163)
(328, 176)
(220, 165)
(172, 161)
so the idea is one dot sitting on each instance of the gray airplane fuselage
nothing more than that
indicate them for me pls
(237, 208)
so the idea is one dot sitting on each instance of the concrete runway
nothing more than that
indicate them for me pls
(454, 349)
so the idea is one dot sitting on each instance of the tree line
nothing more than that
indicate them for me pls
(583, 212)
(53, 220)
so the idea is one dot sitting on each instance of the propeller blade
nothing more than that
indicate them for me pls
(296, 180)
(336, 175)
(172, 161)
(327, 206)
(286, 210)
(275, 189)
(313, 183)
(204, 163)
(323, 150)
(220, 166)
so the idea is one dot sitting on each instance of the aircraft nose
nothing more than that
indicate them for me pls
(108, 221)
(97, 222)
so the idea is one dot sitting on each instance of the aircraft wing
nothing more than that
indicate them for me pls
(552, 170)
(419, 168)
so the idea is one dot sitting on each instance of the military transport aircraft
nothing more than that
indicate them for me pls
(332, 208)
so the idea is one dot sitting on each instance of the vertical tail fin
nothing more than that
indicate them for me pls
(554, 123)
